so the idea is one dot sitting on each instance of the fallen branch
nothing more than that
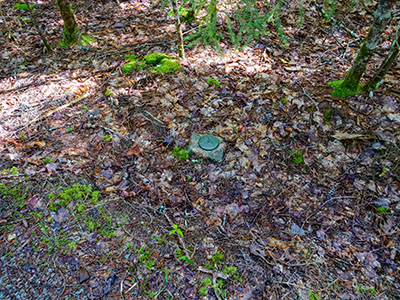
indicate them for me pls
(52, 112)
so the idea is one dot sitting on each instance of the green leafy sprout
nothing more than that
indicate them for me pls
(213, 81)
(180, 154)
(176, 230)
(217, 257)
(23, 6)
(328, 115)
(297, 157)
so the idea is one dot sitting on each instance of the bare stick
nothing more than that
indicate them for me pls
(40, 32)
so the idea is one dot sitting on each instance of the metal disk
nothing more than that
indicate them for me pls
(208, 142)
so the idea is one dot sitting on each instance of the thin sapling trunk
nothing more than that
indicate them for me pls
(350, 85)
(178, 24)
(386, 64)
(36, 24)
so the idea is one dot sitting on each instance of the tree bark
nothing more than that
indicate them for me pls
(71, 29)
(178, 24)
(382, 15)
(386, 64)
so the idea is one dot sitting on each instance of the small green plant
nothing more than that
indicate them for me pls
(329, 8)
(213, 81)
(328, 115)
(22, 135)
(167, 66)
(47, 160)
(231, 271)
(204, 286)
(220, 289)
(364, 289)
(52, 206)
(72, 245)
(313, 296)
(108, 92)
(297, 157)
(107, 138)
(383, 173)
(383, 209)
(217, 257)
(12, 171)
(80, 208)
(179, 153)
(284, 100)
(187, 259)
(144, 257)
(23, 6)
(78, 192)
(176, 230)
(90, 224)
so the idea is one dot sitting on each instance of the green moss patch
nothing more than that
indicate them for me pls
(86, 40)
(155, 58)
(159, 63)
(340, 91)
(167, 66)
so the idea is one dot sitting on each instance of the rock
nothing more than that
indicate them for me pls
(216, 154)
(335, 147)
(83, 275)
(61, 215)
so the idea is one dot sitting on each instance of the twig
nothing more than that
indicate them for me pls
(13, 175)
(52, 112)
(153, 119)
(136, 48)
(36, 24)
(308, 96)
(321, 206)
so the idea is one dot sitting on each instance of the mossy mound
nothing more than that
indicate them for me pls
(155, 58)
(161, 63)
(167, 65)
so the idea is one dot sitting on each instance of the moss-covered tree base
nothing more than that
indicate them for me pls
(343, 89)
(69, 38)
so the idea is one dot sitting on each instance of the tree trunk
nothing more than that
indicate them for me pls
(71, 29)
(386, 64)
(350, 84)
(178, 24)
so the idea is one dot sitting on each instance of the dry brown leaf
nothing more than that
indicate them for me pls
(39, 144)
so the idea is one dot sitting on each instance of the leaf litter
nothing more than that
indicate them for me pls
(322, 226)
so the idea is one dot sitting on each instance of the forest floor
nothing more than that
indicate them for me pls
(94, 205)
